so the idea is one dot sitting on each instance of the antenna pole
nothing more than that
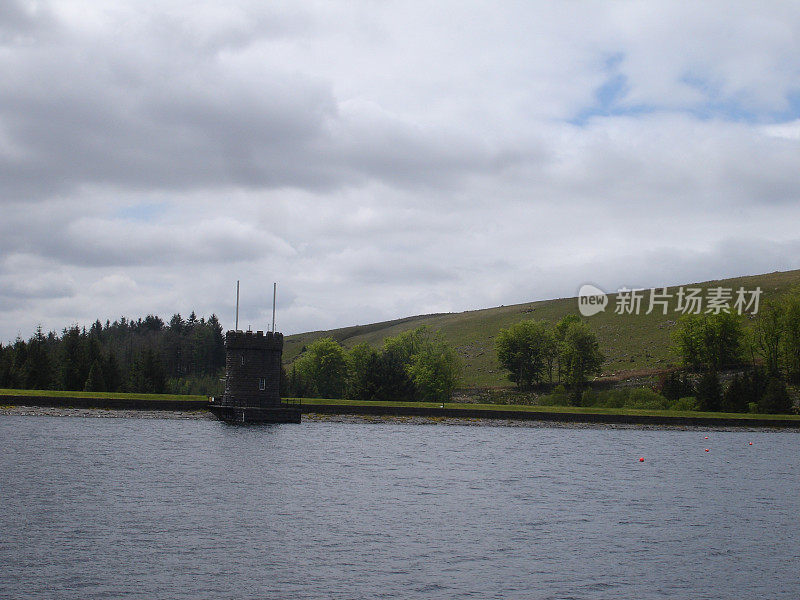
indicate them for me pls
(274, 295)
(236, 327)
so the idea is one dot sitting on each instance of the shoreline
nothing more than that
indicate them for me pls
(204, 415)
(138, 406)
(20, 410)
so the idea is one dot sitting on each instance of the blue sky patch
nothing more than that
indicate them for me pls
(608, 97)
(145, 212)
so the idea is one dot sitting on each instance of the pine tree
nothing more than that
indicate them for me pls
(154, 376)
(6, 362)
(176, 323)
(38, 366)
(74, 363)
(218, 339)
(19, 357)
(95, 382)
(112, 373)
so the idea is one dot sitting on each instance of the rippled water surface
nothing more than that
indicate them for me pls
(109, 508)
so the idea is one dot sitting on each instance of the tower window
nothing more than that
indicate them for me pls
(242, 358)
(262, 383)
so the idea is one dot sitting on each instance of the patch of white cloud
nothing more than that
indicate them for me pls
(786, 131)
(114, 285)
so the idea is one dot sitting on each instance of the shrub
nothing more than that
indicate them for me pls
(554, 399)
(736, 396)
(612, 399)
(646, 398)
(589, 398)
(676, 385)
(776, 398)
(687, 403)
(623, 398)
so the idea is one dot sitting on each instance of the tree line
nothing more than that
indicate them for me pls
(533, 353)
(416, 365)
(758, 362)
(766, 357)
(143, 355)
(187, 356)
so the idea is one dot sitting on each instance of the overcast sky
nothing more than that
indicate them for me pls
(385, 159)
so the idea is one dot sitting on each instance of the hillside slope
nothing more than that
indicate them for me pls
(629, 342)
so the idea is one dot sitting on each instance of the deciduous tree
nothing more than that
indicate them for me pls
(710, 342)
(525, 349)
(580, 355)
(324, 364)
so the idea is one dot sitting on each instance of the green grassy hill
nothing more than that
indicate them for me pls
(631, 343)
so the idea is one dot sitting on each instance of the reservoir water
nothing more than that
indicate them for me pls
(115, 508)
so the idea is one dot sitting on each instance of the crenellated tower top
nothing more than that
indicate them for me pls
(257, 340)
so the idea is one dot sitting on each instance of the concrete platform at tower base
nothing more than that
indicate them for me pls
(256, 414)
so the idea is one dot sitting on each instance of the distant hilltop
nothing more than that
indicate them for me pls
(631, 342)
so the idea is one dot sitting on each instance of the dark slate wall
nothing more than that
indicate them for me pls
(250, 356)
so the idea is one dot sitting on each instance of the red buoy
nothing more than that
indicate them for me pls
(706, 449)
(706, 437)
(751, 443)
(641, 459)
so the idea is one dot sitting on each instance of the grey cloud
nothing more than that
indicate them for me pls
(675, 265)
(98, 242)
(406, 154)
(401, 272)
(170, 138)
(65, 236)
(99, 111)
(676, 159)
(23, 282)
(255, 307)
(211, 28)
(25, 288)
(20, 19)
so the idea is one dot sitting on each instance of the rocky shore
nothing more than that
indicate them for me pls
(103, 413)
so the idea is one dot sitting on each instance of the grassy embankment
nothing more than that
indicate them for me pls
(105, 400)
(7, 394)
(573, 410)
(631, 343)
(106, 395)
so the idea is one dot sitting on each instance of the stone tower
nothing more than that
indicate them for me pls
(252, 368)
(252, 379)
